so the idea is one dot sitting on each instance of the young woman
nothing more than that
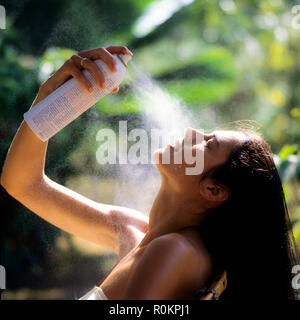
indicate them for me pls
(231, 217)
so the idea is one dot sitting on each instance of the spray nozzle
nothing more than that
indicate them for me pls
(124, 58)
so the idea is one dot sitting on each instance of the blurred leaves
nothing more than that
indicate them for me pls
(289, 162)
(52, 60)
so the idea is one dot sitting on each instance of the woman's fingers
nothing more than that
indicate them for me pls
(100, 53)
(73, 70)
(115, 90)
(106, 54)
(84, 60)
(95, 72)
(119, 50)
(73, 67)
(92, 67)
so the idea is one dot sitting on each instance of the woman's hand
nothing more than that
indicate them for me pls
(75, 65)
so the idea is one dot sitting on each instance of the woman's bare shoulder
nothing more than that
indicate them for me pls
(194, 248)
(168, 263)
(195, 245)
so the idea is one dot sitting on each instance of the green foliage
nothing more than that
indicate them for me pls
(17, 85)
(52, 60)
(288, 150)
(289, 162)
(79, 24)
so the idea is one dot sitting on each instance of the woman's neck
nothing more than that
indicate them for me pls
(171, 212)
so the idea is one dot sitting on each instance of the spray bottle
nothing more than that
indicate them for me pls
(70, 100)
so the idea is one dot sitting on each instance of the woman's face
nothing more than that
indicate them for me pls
(214, 149)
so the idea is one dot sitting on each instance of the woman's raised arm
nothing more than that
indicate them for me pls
(24, 178)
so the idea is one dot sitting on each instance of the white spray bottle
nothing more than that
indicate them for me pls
(70, 100)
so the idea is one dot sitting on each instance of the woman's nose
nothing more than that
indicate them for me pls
(194, 135)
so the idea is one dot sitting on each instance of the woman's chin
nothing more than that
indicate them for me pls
(163, 156)
(157, 155)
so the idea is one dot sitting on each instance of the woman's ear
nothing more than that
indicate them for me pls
(213, 191)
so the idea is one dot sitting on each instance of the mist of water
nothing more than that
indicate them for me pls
(139, 184)
(161, 110)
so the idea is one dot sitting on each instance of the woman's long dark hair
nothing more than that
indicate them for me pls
(250, 235)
